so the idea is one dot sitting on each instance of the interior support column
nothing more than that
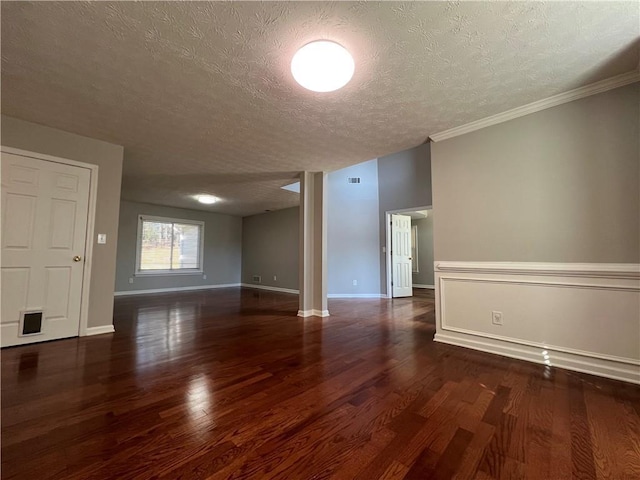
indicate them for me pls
(313, 245)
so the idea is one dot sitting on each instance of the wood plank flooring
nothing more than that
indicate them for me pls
(230, 384)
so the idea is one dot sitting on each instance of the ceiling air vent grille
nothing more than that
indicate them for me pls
(353, 180)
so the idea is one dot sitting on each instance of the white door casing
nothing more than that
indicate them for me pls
(45, 207)
(401, 256)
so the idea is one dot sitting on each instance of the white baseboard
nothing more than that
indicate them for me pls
(313, 313)
(173, 289)
(268, 287)
(356, 295)
(419, 285)
(100, 330)
(584, 316)
(330, 295)
(578, 363)
(246, 285)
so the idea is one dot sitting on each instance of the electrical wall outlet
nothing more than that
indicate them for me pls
(204, 276)
(275, 278)
(130, 279)
(496, 318)
(355, 283)
(257, 279)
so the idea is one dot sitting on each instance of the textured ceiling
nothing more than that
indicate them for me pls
(201, 96)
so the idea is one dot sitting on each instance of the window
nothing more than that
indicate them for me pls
(167, 245)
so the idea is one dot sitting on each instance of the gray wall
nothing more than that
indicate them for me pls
(560, 185)
(355, 225)
(270, 247)
(37, 138)
(270, 240)
(404, 180)
(222, 248)
(425, 274)
(353, 230)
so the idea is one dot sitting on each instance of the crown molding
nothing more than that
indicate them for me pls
(555, 100)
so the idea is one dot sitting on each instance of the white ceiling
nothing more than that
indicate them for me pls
(201, 96)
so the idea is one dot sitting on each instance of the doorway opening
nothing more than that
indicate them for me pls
(409, 252)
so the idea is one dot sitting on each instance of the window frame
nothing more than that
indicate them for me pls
(182, 271)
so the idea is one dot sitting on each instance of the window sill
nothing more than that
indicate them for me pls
(164, 273)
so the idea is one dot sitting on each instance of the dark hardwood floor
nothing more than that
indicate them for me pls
(230, 384)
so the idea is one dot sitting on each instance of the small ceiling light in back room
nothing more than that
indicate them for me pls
(322, 66)
(206, 199)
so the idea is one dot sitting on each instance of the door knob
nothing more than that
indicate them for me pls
(77, 258)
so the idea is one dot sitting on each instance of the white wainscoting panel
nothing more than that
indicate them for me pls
(583, 317)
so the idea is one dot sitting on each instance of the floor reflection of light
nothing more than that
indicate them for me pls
(162, 332)
(198, 397)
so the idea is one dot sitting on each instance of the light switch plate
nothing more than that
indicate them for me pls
(102, 238)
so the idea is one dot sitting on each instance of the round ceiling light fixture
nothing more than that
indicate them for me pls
(322, 66)
(207, 199)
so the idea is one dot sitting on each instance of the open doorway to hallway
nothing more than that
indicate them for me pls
(409, 252)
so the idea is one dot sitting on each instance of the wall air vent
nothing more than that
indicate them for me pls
(353, 180)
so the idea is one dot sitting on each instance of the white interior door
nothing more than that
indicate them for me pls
(401, 267)
(44, 225)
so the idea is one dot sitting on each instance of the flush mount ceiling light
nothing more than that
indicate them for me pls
(322, 66)
(207, 199)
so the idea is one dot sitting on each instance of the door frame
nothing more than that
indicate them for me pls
(91, 218)
(387, 226)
